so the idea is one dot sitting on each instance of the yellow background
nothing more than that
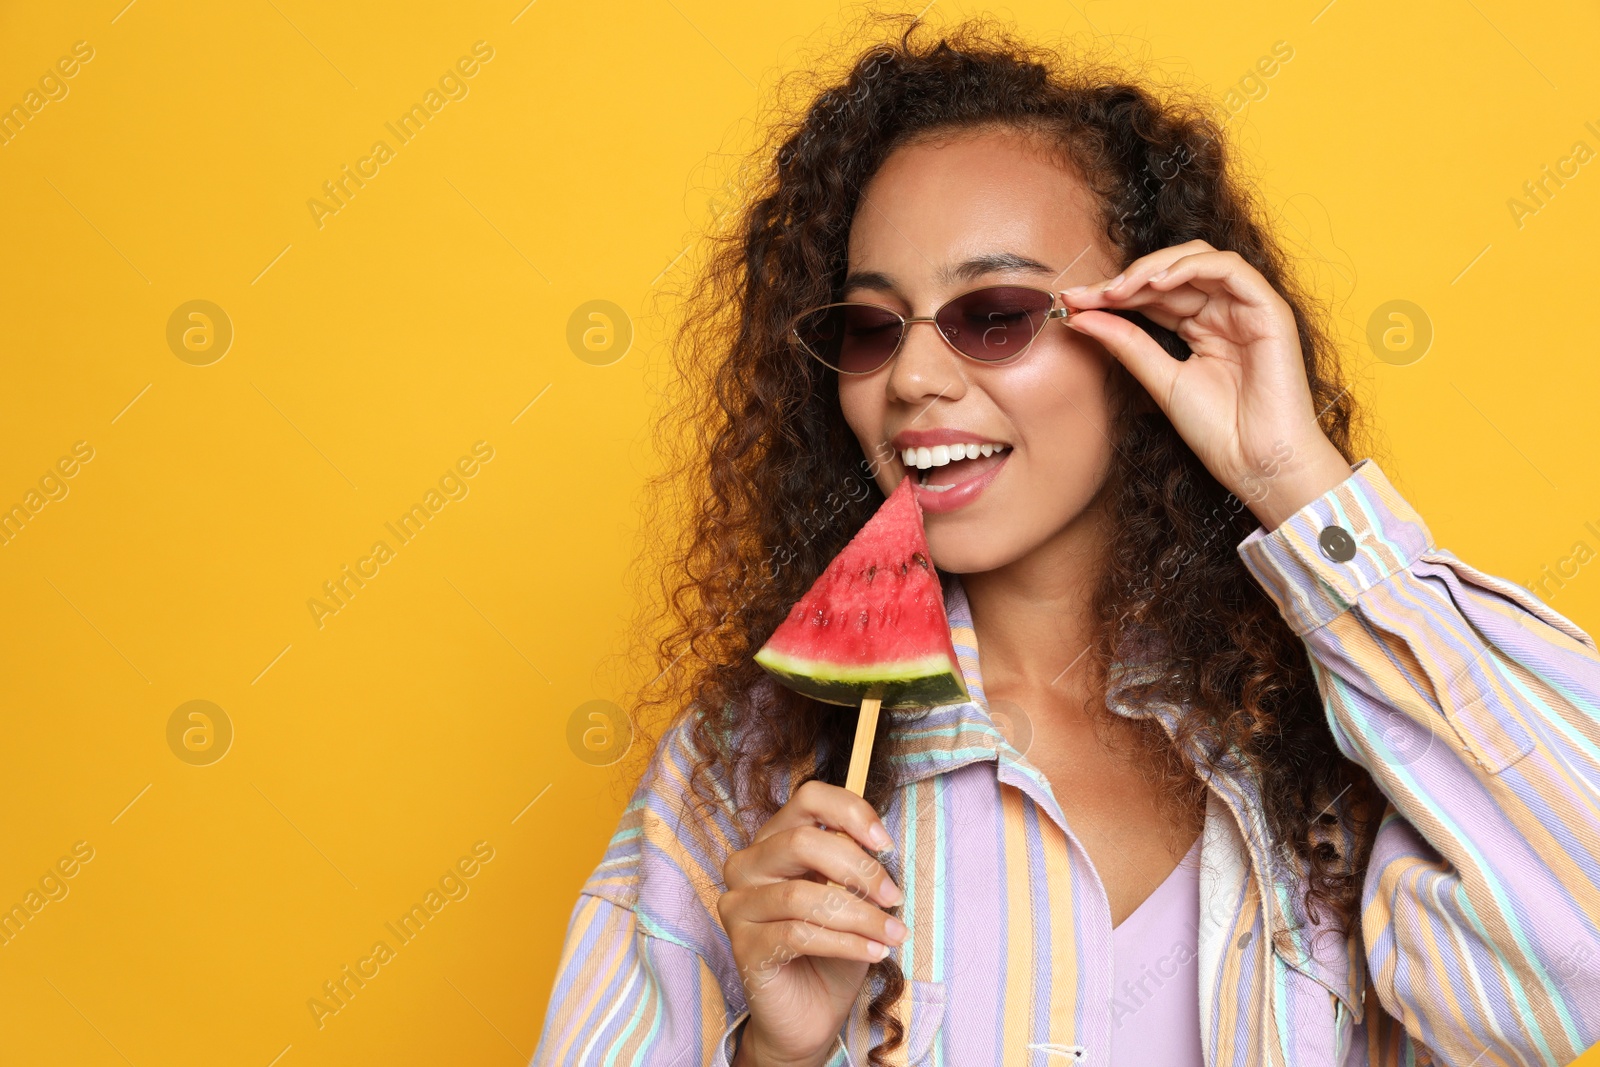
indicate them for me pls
(426, 315)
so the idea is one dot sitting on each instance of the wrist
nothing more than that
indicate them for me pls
(752, 1051)
(1295, 478)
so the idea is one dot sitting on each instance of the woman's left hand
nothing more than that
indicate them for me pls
(1241, 401)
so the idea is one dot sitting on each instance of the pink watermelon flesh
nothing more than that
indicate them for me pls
(873, 624)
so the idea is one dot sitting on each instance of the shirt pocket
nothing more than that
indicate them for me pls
(1314, 1029)
(925, 1015)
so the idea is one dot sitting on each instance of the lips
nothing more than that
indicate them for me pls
(959, 470)
(946, 436)
(955, 483)
(966, 480)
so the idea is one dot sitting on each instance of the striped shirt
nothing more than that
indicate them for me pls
(1475, 707)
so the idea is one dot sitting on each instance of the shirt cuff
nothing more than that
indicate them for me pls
(728, 1045)
(1319, 561)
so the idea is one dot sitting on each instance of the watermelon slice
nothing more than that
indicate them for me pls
(873, 623)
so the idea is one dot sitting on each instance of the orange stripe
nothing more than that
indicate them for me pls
(1232, 997)
(713, 1009)
(923, 808)
(1063, 935)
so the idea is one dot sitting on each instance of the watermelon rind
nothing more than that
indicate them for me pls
(922, 683)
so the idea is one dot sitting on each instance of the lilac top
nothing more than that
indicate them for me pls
(1155, 1003)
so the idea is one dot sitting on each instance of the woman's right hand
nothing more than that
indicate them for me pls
(802, 946)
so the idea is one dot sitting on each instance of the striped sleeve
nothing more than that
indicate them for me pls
(646, 977)
(623, 997)
(1477, 710)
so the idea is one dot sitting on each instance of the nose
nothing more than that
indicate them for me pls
(925, 367)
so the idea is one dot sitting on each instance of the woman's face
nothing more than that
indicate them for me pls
(927, 222)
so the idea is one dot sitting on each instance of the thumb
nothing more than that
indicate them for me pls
(1151, 365)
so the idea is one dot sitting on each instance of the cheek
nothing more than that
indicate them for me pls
(1062, 406)
(1063, 414)
(1068, 463)
(863, 407)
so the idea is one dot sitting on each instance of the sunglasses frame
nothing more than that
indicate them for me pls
(1054, 312)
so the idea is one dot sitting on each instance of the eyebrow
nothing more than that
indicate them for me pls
(965, 271)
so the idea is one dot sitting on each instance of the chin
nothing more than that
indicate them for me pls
(967, 553)
(971, 542)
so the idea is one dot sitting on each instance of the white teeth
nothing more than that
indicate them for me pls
(939, 455)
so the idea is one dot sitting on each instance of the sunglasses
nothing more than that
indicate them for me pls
(994, 324)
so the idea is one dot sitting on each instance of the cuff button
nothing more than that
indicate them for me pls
(1337, 544)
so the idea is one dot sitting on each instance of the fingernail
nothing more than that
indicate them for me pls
(1158, 275)
(1074, 291)
(877, 950)
(881, 840)
(1113, 283)
(890, 893)
(896, 930)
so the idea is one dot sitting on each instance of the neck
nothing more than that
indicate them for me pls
(1033, 616)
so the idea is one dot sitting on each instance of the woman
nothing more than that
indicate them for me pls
(1280, 781)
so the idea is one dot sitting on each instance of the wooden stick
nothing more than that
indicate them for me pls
(861, 755)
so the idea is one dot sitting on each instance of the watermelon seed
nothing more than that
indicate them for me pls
(920, 559)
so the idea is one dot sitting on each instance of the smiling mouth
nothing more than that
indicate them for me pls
(938, 470)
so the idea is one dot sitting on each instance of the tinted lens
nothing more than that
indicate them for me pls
(994, 323)
(854, 338)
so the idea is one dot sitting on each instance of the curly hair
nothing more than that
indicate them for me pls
(768, 482)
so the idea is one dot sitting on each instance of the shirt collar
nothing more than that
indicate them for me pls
(951, 736)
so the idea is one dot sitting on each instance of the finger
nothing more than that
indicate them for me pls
(818, 802)
(1166, 308)
(1147, 361)
(1215, 273)
(771, 945)
(1132, 276)
(820, 905)
(809, 850)
(1168, 294)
